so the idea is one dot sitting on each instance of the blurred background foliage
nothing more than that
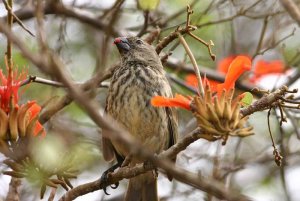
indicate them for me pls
(244, 164)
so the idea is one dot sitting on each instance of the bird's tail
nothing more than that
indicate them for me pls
(142, 188)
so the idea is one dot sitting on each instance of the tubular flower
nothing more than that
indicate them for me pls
(237, 67)
(178, 101)
(218, 116)
(9, 89)
(232, 66)
(28, 119)
(267, 67)
(224, 64)
(191, 80)
(16, 121)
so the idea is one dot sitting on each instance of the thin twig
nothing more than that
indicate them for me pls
(277, 156)
(277, 42)
(172, 36)
(208, 45)
(195, 65)
(292, 8)
(269, 127)
(7, 7)
(262, 34)
(9, 24)
(44, 81)
(284, 153)
(145, 26)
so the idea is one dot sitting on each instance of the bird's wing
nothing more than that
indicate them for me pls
(172, 126)
(108, 150)
(173, 131)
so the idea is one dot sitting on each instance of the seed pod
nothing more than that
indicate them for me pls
(221, 100)
(5, 149)
(245, 132)
(23, 118)
(218, 108)
(207, 95)
(210, 130)
(227, 111)
(43, 190)
(14, 174)
(14, 166)
(67, 181)
(235, 118)
(70, 175)
(50, 183)
(13, 124)
(214, 118)
(57, 181)
(3, 125)
(201, 121)
(201, 109)
(31, 126)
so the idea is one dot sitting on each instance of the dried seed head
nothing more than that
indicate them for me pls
(220, 116)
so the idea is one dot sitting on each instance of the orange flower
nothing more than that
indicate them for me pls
(191, 80)
(34, 110)
(237, 67)
(267, 67)
(9, 89)
(224, 64)
(177, 101)
(241, 64)
(9, 86)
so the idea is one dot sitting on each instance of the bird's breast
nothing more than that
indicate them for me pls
(128, 102)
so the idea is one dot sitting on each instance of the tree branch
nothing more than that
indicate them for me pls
(292, 9)
(14, 190)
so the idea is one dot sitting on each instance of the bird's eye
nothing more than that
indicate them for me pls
(139, 41)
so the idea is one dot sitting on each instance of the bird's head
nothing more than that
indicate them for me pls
(134, 48)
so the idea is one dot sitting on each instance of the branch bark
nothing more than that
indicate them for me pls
(292, 9)
(14, 190)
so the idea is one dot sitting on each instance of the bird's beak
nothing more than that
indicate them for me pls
(122, 44)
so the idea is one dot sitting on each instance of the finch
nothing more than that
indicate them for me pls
(139, 78)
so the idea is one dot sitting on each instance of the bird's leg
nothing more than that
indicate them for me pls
(127, 160)
(104, 177)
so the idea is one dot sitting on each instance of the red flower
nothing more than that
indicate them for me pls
(191, 80)
(223, 67)
(224, 64)
(34, 110)
(9, 98)
(267, 67)
(237, 67)
(9, 89)
(178, 101)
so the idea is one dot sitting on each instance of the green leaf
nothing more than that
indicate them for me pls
(247, 99)
(148, 4)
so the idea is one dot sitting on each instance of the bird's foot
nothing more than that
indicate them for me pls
(149, 165)
(127, 161)
(105, 176)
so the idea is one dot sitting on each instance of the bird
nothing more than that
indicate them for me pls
(139, 77)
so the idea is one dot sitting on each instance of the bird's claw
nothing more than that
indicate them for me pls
(104, 179)
(114, 186)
